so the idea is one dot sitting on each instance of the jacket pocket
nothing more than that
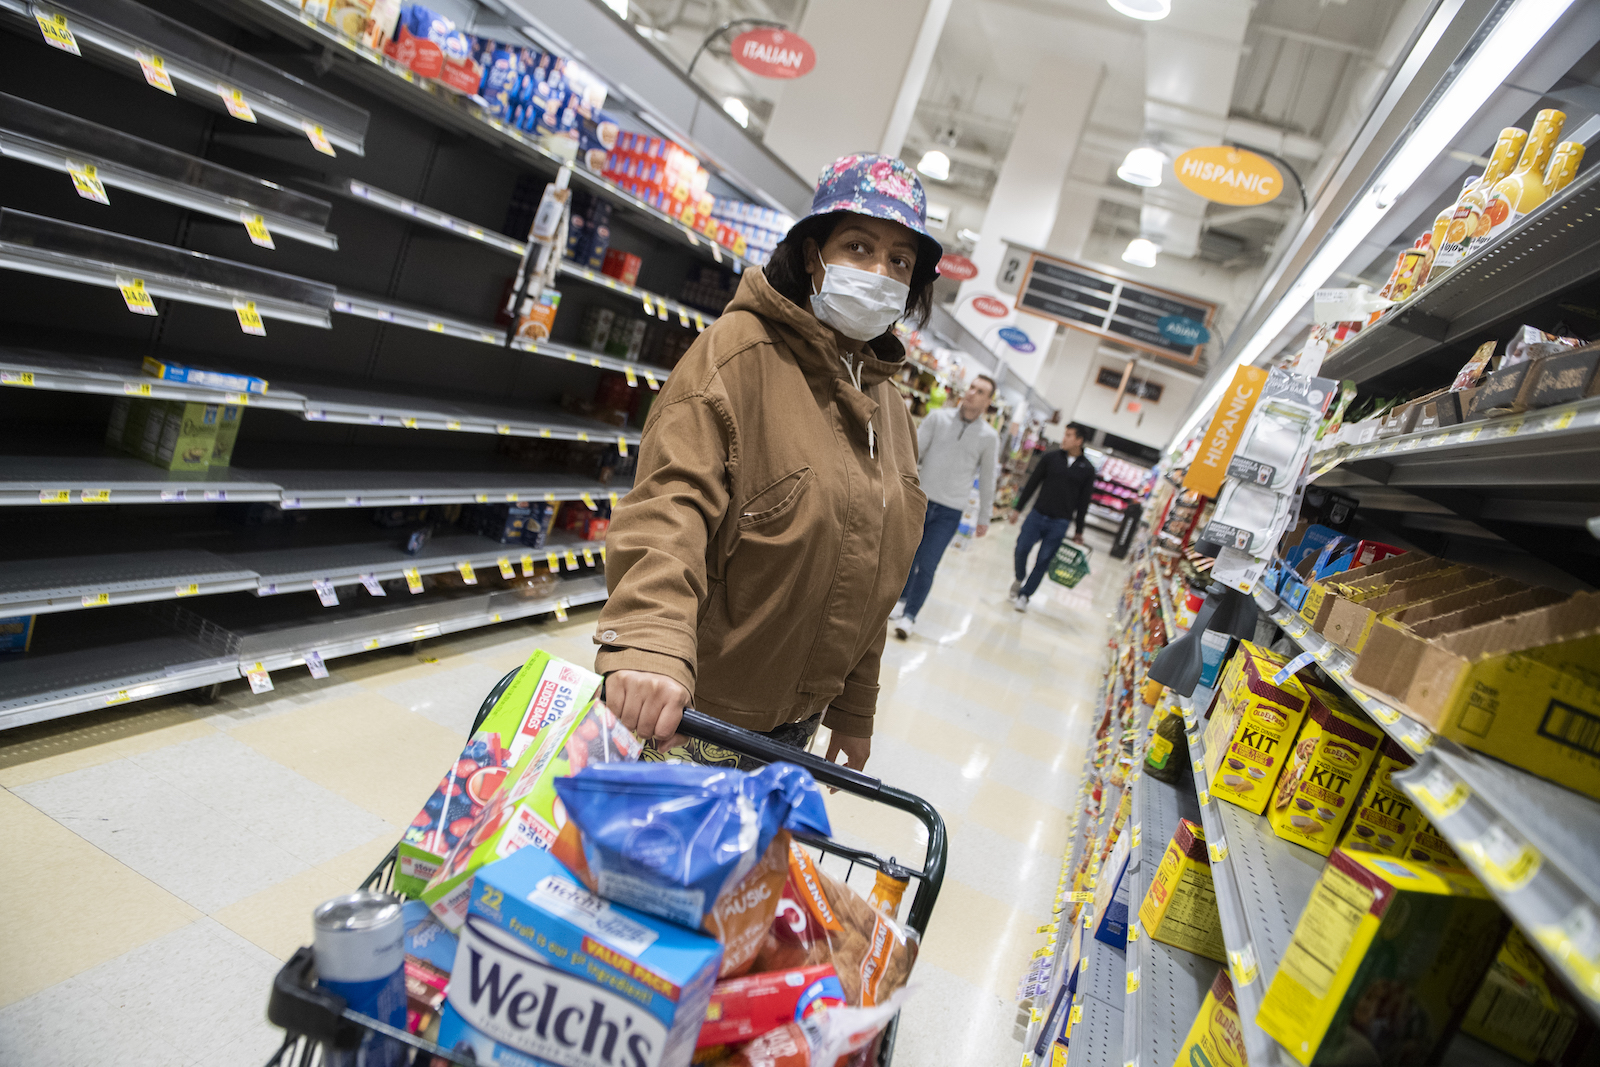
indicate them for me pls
(776, 499)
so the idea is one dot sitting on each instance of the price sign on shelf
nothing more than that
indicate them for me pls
(235, 102)
(318, 139)
(249, 318)
(86, 181)
(622, 446)
(138, 300)
(57, 34)
(256, 227)
(527, 564)
(506, 570)
(561, 610)
(155, 71)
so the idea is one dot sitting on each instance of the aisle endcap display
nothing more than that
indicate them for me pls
(134, 36)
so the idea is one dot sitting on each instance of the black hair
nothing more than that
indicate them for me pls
(1082, 431)
(993, 388)
(786, 270)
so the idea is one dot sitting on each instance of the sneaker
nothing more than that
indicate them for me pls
(1020, 603)
(905, 627)
(899, 610)
(1016, 588)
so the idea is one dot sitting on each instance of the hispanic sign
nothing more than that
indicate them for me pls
(1228, 175)
(774, 53)
(1118, 310)
(1222, 436)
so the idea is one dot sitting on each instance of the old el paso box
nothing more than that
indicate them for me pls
(1252, 729)
(1324, 774)
(1383, 963)
(547, 970)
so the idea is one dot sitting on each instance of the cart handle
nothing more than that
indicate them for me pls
(300, 1006)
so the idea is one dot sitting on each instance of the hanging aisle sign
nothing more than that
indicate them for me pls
(1016, 339)
(957, 268)
(774, 53)
(1163, 323)
(1228, 175)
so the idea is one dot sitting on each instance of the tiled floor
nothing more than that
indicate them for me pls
(166, 858)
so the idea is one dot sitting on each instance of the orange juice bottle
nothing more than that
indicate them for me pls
(1523, 189)
(1464, 221)
(1563, 165)
(1441, 222)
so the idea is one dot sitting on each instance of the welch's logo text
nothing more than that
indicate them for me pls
(506, 992)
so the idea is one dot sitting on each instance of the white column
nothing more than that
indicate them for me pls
(872, 61)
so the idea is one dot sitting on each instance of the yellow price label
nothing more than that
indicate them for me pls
(1561, 421)
(1441, 794)
(511, 498)
(86, 180)
(1205, 798)
(1133, 931)
(370, 643)
(452, 424)
(319, 140)
(699, 321)
(1508, 862)
(549, 498)
(505, 568)
(571, 558)
(235, 102)
(588, 501)
(57, 33)
(136, 388)
(613, 499)
(582, 436)
(1472, 434)
(1133, 980)
(55, 496)
(633, 379)
(503, 429)
(554, 561)
(650, 379)
(561, 610)
(408, 423)
(95, 496)
(138, 300)
(544, 433)
(97, 600)
(192, 589)
(588, 558)
(155, 71)
(622, 446)
(413, 579)
(1080, 898)
(527, 565)
(482, 498)
(683, 318)
(119, 697)
(249, 318)
(649, 308)
(436, 327)
(1243, 965)
(602, 553)
(467, 574)
(1218, 850)
(16, 377)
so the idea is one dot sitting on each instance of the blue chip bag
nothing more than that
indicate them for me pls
(670, 838)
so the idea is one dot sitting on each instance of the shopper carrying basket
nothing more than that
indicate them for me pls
(1064, 479)
(776, 508)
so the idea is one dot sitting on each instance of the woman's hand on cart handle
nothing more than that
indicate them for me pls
(651, 705)
(855, 749)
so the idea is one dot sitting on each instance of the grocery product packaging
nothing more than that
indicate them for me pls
(1168, 749)
(1524, 1012)
(215, 379)
(1385, 817)
(838, 1037)
(1322, 779)
(1427, 845)
(547, 969)
(1564, 377)
(1215, 1038)
(525, 809)
(16, 633)
(430, 954)
(744, 1008)
(671, 838)
(623, 266)
(1383, 963)
(544, 690)
(1350, 622)
(821, 920)
(1180, 907)
(187, 436)
(227, 434)
(1111, 897)
(537, 316)
(1252, 728)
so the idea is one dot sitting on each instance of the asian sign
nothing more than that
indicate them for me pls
(1114, 308)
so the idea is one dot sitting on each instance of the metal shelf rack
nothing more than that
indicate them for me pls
(38, 245)
(47, 480)
(61, 142)
(369, 488)
(73, 583)
(1097, 1004)
(129, 36)
(61, 372)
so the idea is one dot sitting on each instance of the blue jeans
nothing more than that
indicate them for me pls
(1048, 534)
(938, 527)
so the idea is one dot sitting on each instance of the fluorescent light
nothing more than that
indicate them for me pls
(1145, 10)
(970, 236)
(1521, 26)
(1141, 252)
(935, 164)
(1142, 166)
(735, 108)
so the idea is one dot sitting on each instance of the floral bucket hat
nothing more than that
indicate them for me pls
(880, 187)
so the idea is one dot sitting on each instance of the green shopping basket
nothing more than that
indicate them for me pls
(1071, 564)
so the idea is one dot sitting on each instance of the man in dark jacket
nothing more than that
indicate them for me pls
(1064, 479)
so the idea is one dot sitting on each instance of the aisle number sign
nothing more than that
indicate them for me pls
(1227, 175)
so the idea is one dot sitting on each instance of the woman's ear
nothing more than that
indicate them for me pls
(811, 255)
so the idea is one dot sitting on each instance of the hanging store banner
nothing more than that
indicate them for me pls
(774, 53)
(1119, 310)
(1228, 175)
(957, 268)
(988, 305)
(1016, 338)
(1222, 435)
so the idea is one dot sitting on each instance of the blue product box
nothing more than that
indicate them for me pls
(1213, 650)
(178, 372)
(1112, 927)
(426, 938)
(16, 633)
(548, 973)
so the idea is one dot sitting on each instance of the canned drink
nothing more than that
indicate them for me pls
(360, 945)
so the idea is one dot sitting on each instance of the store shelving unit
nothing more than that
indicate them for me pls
(53, 480)
(109, 376)
(74, 583)
(1530, 841)
(1097, 1034)
(61, 142)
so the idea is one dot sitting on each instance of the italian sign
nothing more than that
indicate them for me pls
(774, 53)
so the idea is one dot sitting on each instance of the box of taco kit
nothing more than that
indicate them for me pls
(1215, 1038)
(546, 969)
(1324, 772)
(1180, 907)
(1252, 729)
(1383, 963)
(1385, 817)
(1520, 687)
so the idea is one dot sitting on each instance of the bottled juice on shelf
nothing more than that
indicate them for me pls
(1563, 165)
(1413, 265)
(1524, 188)
(1470, 205)
(1441, 223)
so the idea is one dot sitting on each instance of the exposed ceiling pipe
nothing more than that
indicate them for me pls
(1300, 37)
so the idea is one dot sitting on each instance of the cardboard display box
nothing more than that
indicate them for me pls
(1505, 391)
(1350, 621)
(1563, 378)
(1365, 583)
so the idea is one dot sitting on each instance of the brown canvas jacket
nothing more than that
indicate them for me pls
(764, 542)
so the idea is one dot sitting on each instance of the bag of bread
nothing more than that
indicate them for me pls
(822, 920)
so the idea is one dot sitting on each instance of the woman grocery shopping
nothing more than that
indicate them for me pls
(776, 509)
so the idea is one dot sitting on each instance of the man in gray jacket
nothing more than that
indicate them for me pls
(953, 445)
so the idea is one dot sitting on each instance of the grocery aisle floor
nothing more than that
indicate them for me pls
(166, 858)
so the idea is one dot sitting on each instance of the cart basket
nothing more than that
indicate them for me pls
(315, 1020)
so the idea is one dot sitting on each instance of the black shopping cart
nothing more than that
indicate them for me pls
(315, 1020)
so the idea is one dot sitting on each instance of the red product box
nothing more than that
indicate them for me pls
(745, 1008)
(623, 266)
(595, 529)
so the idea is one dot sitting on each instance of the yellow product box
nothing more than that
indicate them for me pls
(227, 433)
(1383, 963)
(1386, 816)
(1520, 1009)
(1427, 845)
(1322, 780)
(1248, 742)
(1216, 1039)
(1180, 907)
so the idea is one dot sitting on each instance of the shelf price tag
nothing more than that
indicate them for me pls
(588, 501)
(572, 560)
(97, 600)
(192, 589)
(622, 446)
(561, 610)
(650, 379)
(1575, 942)
(1218, 849)
(683, 318)
(716, 252)
(249, 318)
(661, 311)
(86, 180)
(1441, 794)
(15, 377)
(527, 565)
(256, 227)
(138, 300)
(315, 665)
(119, 697)
(506, 570)
(554, 562)
(373, 586)
(1133, 980)
(237, 105)
(1133, 931)
(319, 140)
(55, 496)
(155, 71)
(260, 680)
(326, 592)
(1243, 965)
(588, 558)
(1508, 862)
(413, 579)
(633, 379)
(467, 575)
(57, 34)
(95, 496)
(613, 498)
(582, 436)
(1561, 421)
(649, 308)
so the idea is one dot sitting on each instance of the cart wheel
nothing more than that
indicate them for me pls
(208, 694)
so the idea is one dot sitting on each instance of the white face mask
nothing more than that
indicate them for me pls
(859, 303)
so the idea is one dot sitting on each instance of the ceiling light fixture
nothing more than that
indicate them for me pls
(1144, 10)
(1520, 27)
(737, 111)
(1142, 166)
(619, 6)
(970, 236)
(1141, 252)
(935, 164)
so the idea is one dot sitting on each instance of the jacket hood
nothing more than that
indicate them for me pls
(814, 344)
